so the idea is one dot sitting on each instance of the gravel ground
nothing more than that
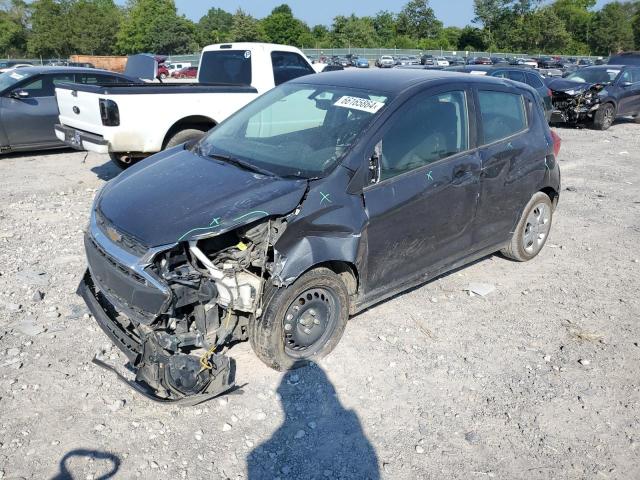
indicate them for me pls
(538, 379)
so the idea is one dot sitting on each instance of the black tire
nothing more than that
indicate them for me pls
(604, 117)
(278, 349)
(183, 136)
(528, 239)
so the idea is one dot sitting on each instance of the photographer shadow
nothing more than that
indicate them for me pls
(319, 438)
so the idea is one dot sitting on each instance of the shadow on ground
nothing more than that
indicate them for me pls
(106, 171)
(319, 437)
(100, 460)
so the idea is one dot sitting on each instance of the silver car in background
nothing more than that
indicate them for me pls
(385, 61)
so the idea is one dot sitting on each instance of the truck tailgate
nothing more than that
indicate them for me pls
(80, 109)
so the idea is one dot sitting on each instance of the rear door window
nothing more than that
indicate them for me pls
(232, 67)
(432, 128)
(503, 114)
(288, 65)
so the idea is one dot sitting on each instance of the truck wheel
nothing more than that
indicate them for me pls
(604, 117)
(301, 322)
(163, 76)
(184, 136)
(532, 230)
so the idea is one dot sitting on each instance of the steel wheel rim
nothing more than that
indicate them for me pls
(608, 116)
(309, 322)
(536, 228)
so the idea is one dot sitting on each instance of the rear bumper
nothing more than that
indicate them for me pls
(81, 140)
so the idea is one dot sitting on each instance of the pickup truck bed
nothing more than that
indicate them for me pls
(133, 121)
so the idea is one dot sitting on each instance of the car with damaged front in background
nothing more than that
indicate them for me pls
(596, 96)
(319, 199)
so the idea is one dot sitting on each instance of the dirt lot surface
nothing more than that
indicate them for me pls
(538, 379)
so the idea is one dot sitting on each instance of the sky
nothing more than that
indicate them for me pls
(451, 12)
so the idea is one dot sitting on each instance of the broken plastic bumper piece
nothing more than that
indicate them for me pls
(161, 375)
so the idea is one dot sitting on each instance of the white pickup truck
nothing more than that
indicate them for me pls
(130, 122)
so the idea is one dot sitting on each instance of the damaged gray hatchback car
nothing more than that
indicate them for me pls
(322, 197)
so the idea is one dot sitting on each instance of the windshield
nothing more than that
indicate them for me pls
(594, 75)
(295, 130)
(10, 78)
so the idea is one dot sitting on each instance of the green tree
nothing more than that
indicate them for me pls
(612, 29)
(418, 20)
(353, 31)
(245, 28)
(543, 31)
(384, 24)
(103, 16)
(636, 28)
(149, 26)
(215, 26)
(577, 18)
(14, 17)
(321, 38)
(473, 39)
(282, 27)
(49, 35)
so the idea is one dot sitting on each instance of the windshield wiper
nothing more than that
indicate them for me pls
(240, 163)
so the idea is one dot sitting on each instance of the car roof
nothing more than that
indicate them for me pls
(48, 69)
(395, 81)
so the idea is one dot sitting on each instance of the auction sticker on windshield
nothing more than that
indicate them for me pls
(356, 103)
(17, 76)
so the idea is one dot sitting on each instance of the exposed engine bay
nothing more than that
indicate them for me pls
(212, 288)
(575, 105)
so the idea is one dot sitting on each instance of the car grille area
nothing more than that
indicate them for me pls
(129, 292)
(124, 241)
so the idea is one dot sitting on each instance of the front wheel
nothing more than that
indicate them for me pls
(532, 230)
(604, 117)
(301, 322)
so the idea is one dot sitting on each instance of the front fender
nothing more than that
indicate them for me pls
(310, 251)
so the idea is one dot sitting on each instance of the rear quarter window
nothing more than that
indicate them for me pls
(534, 81)
(503, 114)
(288, 65)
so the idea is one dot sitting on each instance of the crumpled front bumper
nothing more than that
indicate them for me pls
(155, 371)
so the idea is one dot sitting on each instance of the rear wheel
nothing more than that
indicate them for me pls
(302, 322)
(183, 136)
(532, 230)
(604, 117)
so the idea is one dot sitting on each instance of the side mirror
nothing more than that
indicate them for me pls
(626, 84)
(19, 94)
(375, 164)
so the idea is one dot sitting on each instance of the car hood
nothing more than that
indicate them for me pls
(178, 195)
(569, 87)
